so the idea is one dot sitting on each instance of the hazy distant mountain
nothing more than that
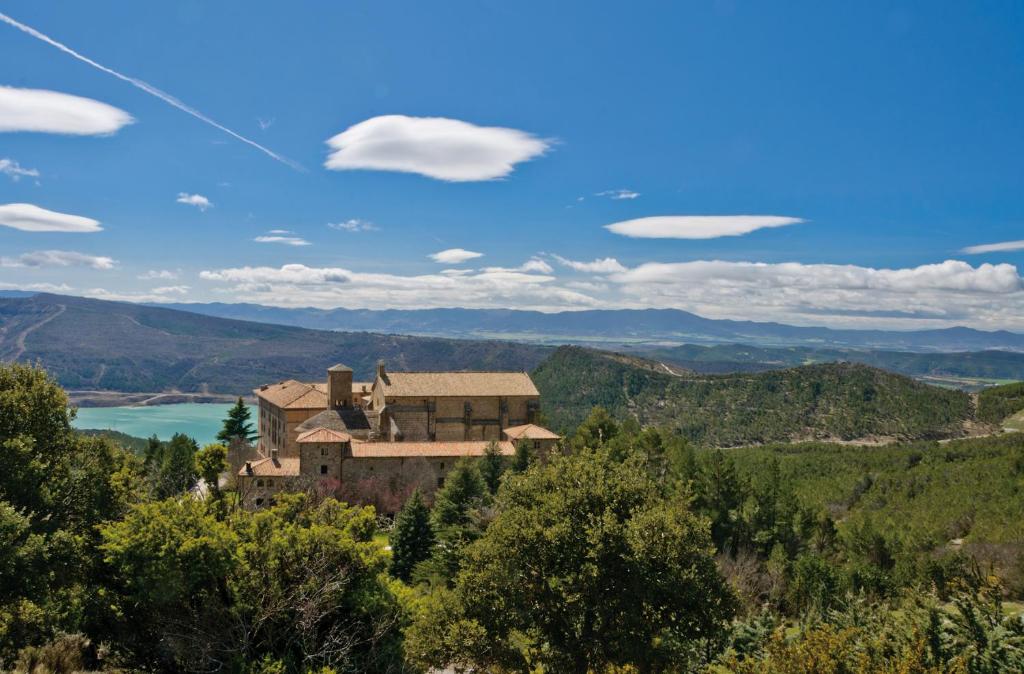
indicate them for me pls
(115, 346)
(608, 326)
(95, 344)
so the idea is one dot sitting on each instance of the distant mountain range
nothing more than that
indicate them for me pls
(99, 345)
(608, 327)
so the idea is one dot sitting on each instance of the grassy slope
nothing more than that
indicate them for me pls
(94, 344)
(839, 401)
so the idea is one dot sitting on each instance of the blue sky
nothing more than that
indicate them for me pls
(889, 136)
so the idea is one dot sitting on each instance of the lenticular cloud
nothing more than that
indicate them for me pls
(445, 149)
(32, 218)
(44, 111)
(697, 226)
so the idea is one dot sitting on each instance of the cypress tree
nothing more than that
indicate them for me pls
(522, 459)
(492, 465)
(237, 424)
(412, 538)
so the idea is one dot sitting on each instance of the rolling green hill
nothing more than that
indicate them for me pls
(839, 401)
(95, 344)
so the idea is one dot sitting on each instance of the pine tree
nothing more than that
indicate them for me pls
(237, 424)
(455, 519)
(412, 538)
(492, 465)
(173, 472)
(463, 491)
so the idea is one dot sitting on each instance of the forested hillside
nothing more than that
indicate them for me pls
(840, 401)
(999, 402)
(94, 344)
(991, 364)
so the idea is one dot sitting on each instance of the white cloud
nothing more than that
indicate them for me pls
(353, 225)
(454, 256)
(617, 195)
(197, 200)
(55, 112)
(32, 218)
(531, 265)
(155, 296)
(38, 287)
(608, 265)
(1005, 246)
(16, 171)
(437, 147)
(932, 295)
(697, 226)
(58, 258)
(954, 275)
(536, 264)
(283, 237)
(299, 285)
(170, 290)
(158, 274)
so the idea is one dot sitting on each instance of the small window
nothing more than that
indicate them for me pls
(323, 470)
(440, 482)
(323, 451)
(536, 444)
(259, 483)
(270, 483)
(442, 465)
(259, 502)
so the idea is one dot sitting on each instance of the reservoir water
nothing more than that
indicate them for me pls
(201, 421)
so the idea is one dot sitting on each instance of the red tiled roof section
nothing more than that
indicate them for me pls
(383, 450)
(530, 432)
(462, 384)
(281, 467)
(292, 394)
(322, 434)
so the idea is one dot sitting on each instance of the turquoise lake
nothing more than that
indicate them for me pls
(201, 421)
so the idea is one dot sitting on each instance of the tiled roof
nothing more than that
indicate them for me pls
(323, 435)
(467, 384)
(292, 394)
(530, 432)
(343, 420)
(361, 450)
(281, 467)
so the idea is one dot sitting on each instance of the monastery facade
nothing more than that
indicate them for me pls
(375, 441)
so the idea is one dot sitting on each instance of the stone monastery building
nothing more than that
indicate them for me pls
(404, 429)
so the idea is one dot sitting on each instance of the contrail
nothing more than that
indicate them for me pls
(149, 89)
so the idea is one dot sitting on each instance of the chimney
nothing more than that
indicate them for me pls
(381, 372)
(273, 455)
(248, 467)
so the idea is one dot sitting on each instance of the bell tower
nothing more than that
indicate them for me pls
(339, 386)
